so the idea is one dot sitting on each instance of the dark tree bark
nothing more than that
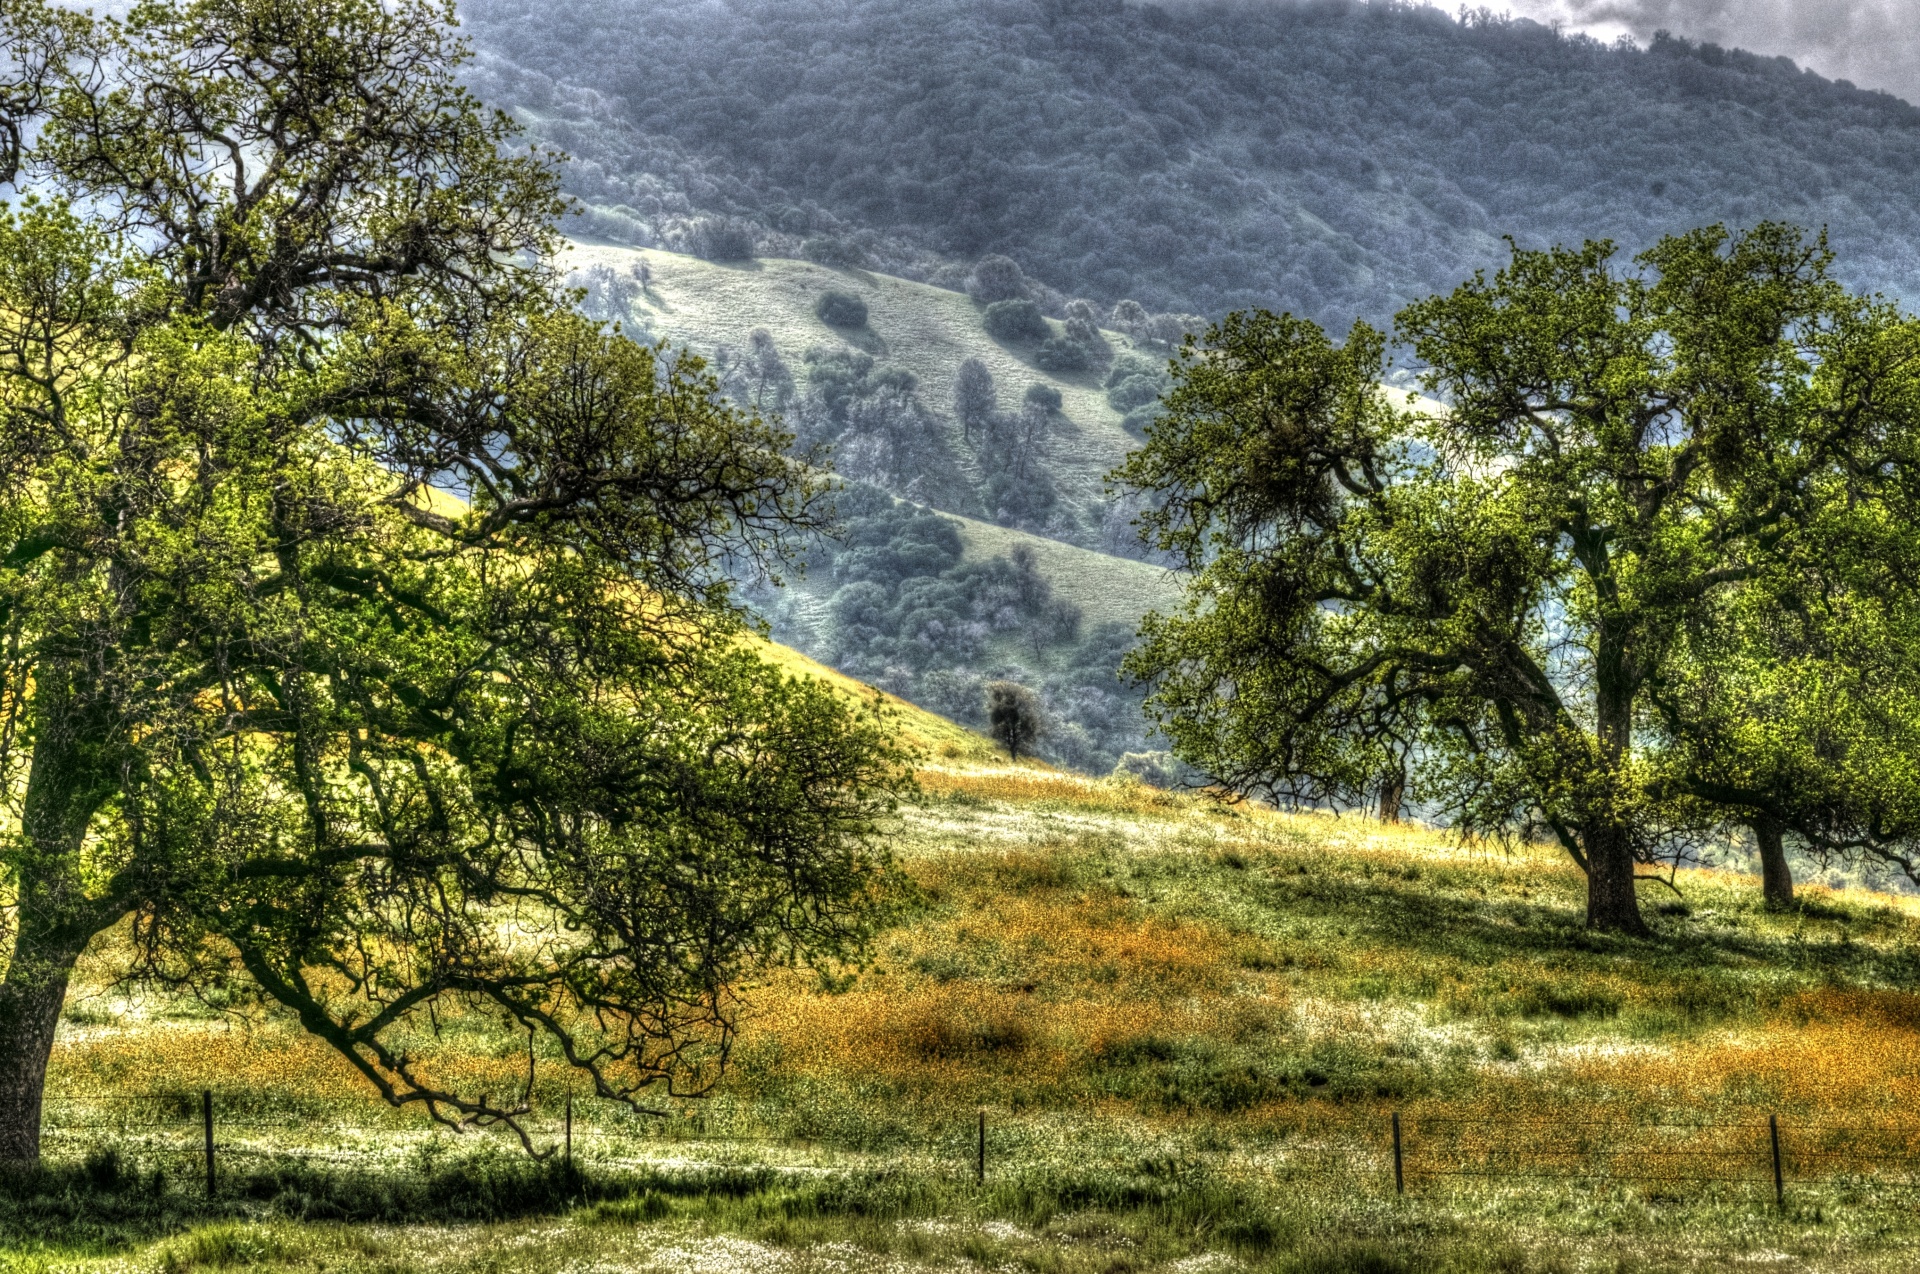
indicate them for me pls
(1393, 791)
(1776, 878)
(30, 1003)
(1612, 904)
(55, 917)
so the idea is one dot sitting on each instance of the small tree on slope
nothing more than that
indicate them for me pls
(1626, 458)
(269, 696)
(1013, 716)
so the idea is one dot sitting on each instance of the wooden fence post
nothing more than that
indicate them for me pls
(980, 1162)
(206, 1120)
(1399, 1172)
(1779, 1179)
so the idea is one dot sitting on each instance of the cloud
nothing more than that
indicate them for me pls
(1874, 43)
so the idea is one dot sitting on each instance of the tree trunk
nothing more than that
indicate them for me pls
(1393, 790)
(56, 919)
(1612, 904)
(30, 1003)
(1776, 878)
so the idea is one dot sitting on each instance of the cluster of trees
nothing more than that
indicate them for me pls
(1014, 310)
(296, 723)
(1647, 578)
(847, 408)
(867, 419)
(908, 614)
(1135, 386)
(1332, 159)
(1009, 446)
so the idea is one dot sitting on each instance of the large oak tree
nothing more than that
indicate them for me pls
(1571, 595)
(364, 633)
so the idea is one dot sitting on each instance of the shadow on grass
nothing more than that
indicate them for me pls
(104, 1206)
(107, 1203)
(1702, 969)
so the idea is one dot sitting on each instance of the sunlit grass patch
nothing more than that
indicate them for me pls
(1152, 997)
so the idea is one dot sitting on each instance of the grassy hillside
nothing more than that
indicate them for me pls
(928, 733)
(1188, 1026)
(1107, 589)
(934, 623)
(929, 331)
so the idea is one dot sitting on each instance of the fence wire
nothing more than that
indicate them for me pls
(1430, 1151)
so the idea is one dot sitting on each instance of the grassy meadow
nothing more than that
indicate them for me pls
(1188, 1026)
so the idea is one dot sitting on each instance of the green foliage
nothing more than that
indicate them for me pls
(1013, 716)
(1510, 595)
(908, 613)
(273, 697)
(1062, 356)
(829, 251)
(720, 239)
(996, 278)
(841, 309)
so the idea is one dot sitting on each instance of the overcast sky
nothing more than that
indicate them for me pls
(1874, 43)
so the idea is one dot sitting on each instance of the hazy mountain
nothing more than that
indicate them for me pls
(1336, 159)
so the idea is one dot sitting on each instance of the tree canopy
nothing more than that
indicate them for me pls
(1586, 592)
(366, 634)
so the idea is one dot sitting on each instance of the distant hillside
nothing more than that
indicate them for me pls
(1336, 159)
(925, 331)
(970, 552)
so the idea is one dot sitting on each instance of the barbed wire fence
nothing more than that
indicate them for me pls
(197, 1134)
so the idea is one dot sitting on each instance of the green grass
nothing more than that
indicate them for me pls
(1107, 589)
(1188, 1026)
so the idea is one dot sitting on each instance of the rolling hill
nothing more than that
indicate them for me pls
(925, 330)
(937, 649)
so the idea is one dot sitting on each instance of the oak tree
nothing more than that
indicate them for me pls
(364, 630)
(1514, 585)
(1014, 717)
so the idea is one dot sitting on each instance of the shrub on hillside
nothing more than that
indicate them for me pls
(1045, 397)
(1013, 716)
(973, 397)
(1063, 356)
(1170, 330)
(1134, 391)
(1025, 500)
(1129, 317)
(997, 278)
(720, 239)
(1155, 769)
(1130, 363)
(841, 309)
(825, 250)
(1016, 322)
(1083, 329)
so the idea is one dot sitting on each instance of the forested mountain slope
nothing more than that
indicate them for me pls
(971, 550)
(1335, 159)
